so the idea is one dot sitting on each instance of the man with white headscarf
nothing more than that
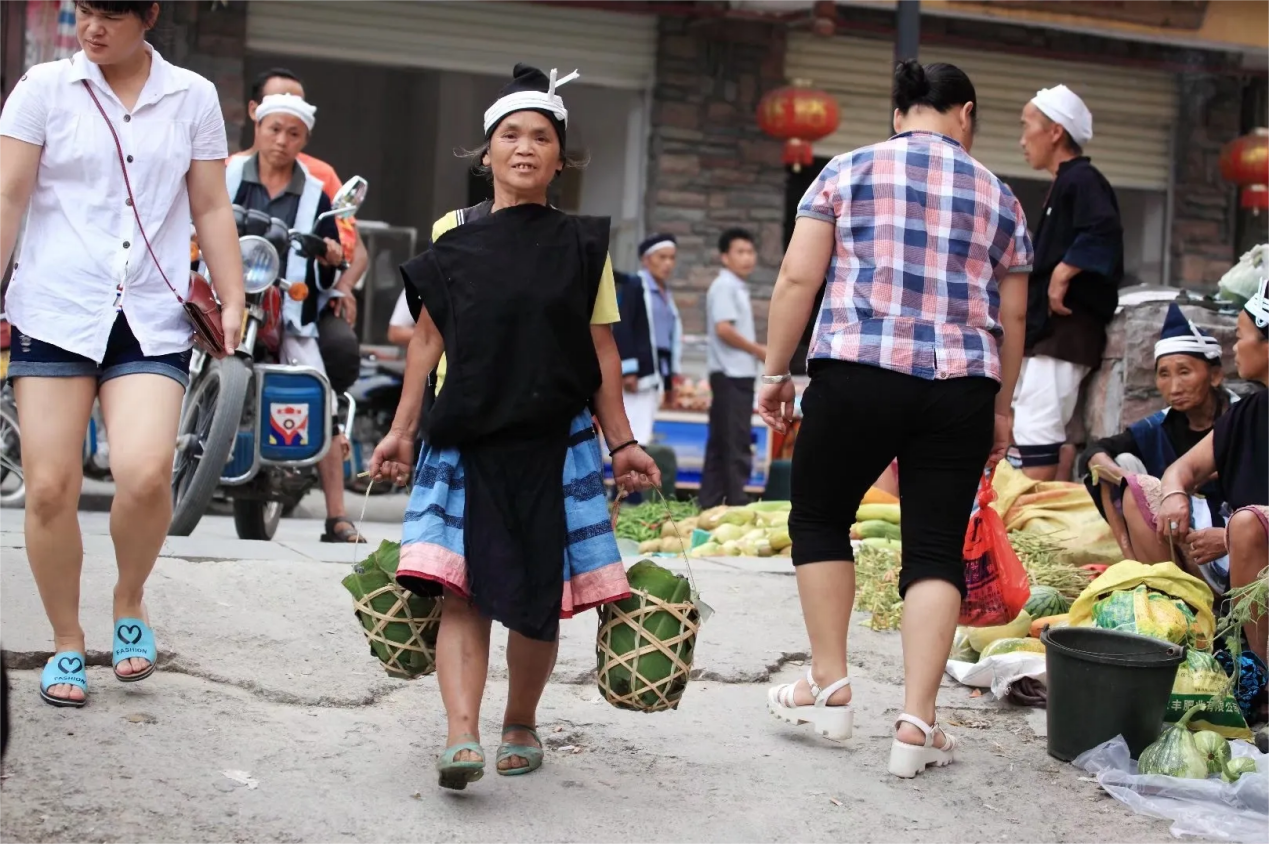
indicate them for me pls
(1074, 288)
(272, 181)
(650, 337)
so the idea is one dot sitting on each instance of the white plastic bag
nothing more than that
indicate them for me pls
(1244, 278)
(1210, 808)
(998, 672)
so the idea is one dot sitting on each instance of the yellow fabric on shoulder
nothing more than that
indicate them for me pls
(605, 312)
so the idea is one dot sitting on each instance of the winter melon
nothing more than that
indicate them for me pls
(1045, 601)
(981, 637)
(1012, 645)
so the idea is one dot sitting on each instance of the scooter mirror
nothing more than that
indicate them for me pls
(351, 196)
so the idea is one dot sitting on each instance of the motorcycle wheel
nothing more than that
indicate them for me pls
(257, 519)
(211, 417)
(12, 482)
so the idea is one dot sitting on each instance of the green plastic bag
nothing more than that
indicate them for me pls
(1198, 680)
(1146, 612)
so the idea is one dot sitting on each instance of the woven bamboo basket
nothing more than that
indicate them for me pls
(623, 677)
(413, 620)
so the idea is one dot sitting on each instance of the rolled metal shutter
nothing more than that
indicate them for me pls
(1134, 110)
(610, 48)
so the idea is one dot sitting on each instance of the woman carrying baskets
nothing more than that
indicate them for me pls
(917, 347)
(508, 516)
(114, 151)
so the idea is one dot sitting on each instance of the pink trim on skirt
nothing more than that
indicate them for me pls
(582, 592)
(1147, 491)
(1258, 510)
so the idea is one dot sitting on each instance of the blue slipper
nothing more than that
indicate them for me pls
(64, 669)
(455, 774)
(529, 753)
(134, 640)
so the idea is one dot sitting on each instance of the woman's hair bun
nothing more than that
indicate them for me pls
(910, 84)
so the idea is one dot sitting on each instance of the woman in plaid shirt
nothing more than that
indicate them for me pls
(917, 346)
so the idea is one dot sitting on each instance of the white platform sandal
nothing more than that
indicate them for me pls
(832, 722)
(908, 760)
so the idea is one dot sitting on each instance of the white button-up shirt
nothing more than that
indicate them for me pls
(82, 244)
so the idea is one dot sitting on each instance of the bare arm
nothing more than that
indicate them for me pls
(356, 267)
(399, 335)
(421, 357)
(608, 403)
(1192, 469)
(19, 164)
(1013, 319)
(801, 275)
(213, 218)
(727, 332)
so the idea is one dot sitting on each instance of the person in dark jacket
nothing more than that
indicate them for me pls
(1074, 288)
(1187, 371)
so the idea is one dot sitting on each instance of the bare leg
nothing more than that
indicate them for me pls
(529, 666)
(142, 413)
(930, 610)
(53, 418)
(462, 666)
(1248, 555)
(1041, 473)
(1066, 462)
(331, 472)
(827, 593)
(1145, 541)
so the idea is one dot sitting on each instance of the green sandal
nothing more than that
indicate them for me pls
(457, 775)
(528, 752)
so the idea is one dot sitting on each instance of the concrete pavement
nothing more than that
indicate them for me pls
(270, 721)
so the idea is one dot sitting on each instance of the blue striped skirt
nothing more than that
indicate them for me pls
(432, 546)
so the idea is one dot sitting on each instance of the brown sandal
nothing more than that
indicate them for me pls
(337, 532)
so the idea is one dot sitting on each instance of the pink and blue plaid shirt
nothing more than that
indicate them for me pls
(925, 234)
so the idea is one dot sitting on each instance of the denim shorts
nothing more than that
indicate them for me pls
(37, 359)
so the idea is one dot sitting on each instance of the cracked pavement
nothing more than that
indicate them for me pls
(269, 720)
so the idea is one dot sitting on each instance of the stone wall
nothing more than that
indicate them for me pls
(710, 166)
(1205, 207)
(1123, 391)
(211, 40)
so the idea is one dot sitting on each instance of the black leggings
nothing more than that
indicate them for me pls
(856, 419)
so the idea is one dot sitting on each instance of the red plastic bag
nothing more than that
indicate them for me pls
(996, 584)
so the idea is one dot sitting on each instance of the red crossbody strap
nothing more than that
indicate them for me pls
(128, 184)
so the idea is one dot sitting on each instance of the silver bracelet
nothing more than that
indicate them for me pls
(775, 379)
(1168, 495)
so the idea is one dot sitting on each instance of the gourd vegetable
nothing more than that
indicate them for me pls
(1215, 750)
(1235, 768)
(1175, 754)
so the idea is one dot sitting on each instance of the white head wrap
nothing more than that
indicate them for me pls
(1064, 107)
(287, 104)
(547, 101)
(1257, 306)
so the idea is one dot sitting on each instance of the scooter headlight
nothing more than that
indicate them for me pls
(260, 263)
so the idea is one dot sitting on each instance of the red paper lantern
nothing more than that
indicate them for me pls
(1245, 162)
(799, 115)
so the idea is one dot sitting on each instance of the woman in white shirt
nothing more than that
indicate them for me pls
(93, 316)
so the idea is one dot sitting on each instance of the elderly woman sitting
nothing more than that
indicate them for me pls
(1237, 451)
(1187, 364)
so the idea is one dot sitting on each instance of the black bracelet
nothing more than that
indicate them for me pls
(613, 451)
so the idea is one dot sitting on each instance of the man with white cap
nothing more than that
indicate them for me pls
(1074, 288)
(651, 335)
(272, 181)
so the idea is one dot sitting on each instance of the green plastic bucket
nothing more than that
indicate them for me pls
(1104, 683)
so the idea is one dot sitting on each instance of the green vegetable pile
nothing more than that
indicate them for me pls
(877, 587)
(1042, 558)
(643, 522)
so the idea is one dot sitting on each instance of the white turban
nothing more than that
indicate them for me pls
(287, 104)
(1064, 107)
